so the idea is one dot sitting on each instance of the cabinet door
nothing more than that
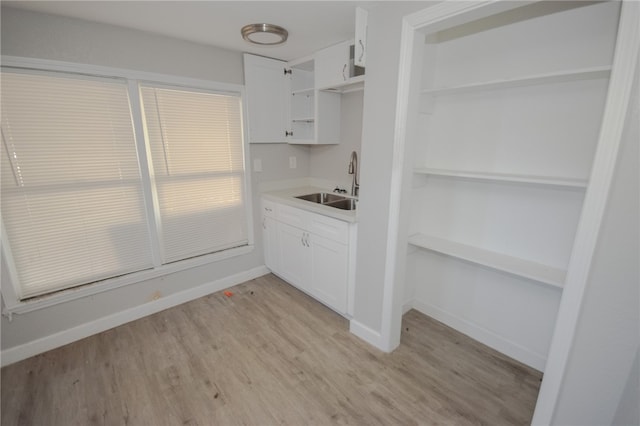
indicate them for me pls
(267, 99)
(332, 65)
(329, 272)
(270, 243)
(360, 56)
(294, 256)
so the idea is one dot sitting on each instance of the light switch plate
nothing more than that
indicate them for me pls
(292, 163)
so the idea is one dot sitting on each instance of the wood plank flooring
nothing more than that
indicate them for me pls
(267, 355)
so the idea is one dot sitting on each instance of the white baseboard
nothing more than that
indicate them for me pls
(18, 353)
(487, 337)
(367, 334)
(407, 307)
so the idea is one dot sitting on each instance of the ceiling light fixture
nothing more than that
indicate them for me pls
(264, 34)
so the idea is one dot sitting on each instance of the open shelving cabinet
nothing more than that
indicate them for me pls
(505, 103)
(314, 114)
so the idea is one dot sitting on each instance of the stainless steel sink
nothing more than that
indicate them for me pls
(322, 197)
(331, 200)
(346, 204)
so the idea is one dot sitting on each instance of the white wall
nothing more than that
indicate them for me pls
(45, 36)
(600, 386)
(628, 411)
(330, 162)
(384, 28)
(37, 35)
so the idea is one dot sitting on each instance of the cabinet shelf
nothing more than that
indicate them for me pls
(303, 120)
(530, 80)
(305, 92)
(501, 262)
(506, 177)
(353, 84)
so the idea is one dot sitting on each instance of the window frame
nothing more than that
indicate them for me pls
(156, 182)
(135, 79)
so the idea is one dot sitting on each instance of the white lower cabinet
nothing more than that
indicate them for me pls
(295, 255)
(329, 272)
(311, 252)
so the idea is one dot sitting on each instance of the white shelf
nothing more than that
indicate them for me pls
(303, 120)
(502, 262)
(505, 177)
(548, 78)
(306, 92)
(353, 84)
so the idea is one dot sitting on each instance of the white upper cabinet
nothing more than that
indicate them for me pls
(336, 70)
(333, 65)
(298, 102)
(267, 95)
(285, 105)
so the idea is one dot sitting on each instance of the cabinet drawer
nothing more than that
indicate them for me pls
(327, 227)
(268, 209)
(293, 216)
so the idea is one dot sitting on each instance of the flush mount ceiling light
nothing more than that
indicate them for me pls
(264, 34)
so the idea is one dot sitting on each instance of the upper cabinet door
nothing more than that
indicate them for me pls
(267, 99)
(332, 66)
(360, 56)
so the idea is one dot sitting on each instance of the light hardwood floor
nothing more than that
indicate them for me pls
(267, 355)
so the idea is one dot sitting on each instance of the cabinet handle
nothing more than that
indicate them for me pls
(306, 240)
(344, 76)
(287, 133)
(302, 239)
(362, 51)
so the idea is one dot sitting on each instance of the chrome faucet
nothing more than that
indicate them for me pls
(353, 170)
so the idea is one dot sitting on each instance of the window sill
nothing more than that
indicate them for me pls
(18, 307)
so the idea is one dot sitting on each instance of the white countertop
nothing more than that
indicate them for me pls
(287, 196)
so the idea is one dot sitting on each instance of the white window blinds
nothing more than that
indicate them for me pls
(72, 202)
(197, 169)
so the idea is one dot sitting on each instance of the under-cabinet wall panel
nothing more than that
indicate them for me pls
(513, 315)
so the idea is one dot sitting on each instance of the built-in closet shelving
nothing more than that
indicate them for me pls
(502, 262)
(505, 177)
(526, 80)
(506, 128)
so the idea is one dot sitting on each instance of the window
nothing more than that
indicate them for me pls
(72, 201)
(195, 141)
(78, 207)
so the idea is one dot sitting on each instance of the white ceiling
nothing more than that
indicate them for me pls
(312, 25)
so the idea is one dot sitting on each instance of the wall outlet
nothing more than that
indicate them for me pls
(257, 165)
(292, 163)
